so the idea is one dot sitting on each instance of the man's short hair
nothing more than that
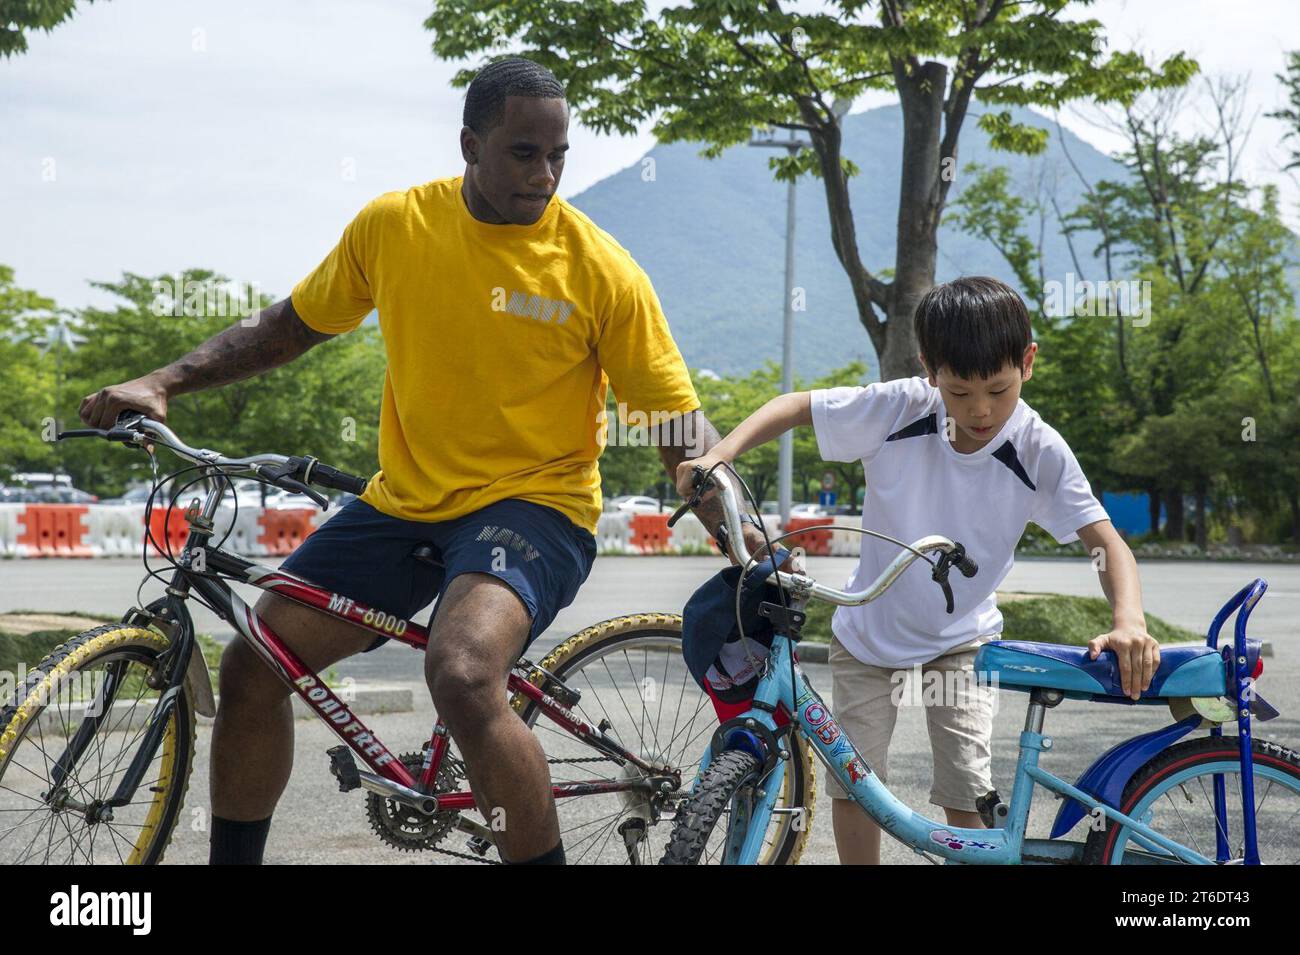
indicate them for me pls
(485, 101)
(972, 326)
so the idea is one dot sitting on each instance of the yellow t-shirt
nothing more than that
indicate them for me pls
(501, 342)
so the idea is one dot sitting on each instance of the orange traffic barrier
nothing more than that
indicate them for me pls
(169, 530)
(649, 533)
(53, 530)
(814, 542)
(283, 529)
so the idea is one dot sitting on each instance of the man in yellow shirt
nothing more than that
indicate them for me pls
(505, 314)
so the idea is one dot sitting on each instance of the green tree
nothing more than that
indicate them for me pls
(809, 466)
(19, 16)
(1290, 114)
(24, 434)
(325, 403)
(712, 71)
(729, 401)
(1183, 226)
(630, 464)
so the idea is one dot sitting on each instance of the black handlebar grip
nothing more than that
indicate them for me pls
(81, 433)
(326, 476)
(968, 567)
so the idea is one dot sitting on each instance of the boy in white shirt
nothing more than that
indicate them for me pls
(956, 453)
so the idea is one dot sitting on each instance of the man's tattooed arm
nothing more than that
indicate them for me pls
(240, 351)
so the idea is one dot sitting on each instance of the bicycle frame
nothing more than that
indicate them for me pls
(199, 565)
(1000, 846)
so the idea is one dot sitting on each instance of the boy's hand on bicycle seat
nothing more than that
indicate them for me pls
(145, 395)
(1138, 655)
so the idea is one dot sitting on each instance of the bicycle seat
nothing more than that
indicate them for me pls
(1187, 670)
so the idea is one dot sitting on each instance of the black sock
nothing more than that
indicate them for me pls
(554, 857)
(237, 843)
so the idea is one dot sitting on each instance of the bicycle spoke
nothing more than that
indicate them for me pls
(1186, 828)
(33, 830)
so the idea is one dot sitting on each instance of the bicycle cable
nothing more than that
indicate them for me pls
(164, 547)
(781, 588)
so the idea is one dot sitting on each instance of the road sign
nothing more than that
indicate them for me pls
(828, 481)
(826, 499)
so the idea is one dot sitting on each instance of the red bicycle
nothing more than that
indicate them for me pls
(97, 744)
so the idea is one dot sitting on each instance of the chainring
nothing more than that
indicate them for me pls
(409, 829)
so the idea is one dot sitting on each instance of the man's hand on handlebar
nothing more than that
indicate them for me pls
(145, 395)
(686, 475)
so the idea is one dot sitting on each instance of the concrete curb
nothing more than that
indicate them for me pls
(810, 652)
(363, 700)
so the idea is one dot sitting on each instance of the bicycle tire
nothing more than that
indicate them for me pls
(1170, 770)
(726, 775)
(26, 719)
(572, 656)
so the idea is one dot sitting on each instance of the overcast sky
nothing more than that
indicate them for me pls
(241, 135)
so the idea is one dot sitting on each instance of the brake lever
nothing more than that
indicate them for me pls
(290, 484)
(939, 574)
(692, 500)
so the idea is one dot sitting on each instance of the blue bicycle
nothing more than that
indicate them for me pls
(1154, 799)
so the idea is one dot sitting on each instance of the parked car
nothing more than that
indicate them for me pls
(807, 510)
(45, 488)
(635, 504)
(58, 494)
(37, 479)
(133, 495)
(796, 510)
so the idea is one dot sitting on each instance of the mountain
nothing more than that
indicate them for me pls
(711, 236)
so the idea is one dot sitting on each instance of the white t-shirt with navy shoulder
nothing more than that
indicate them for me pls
(918, 484)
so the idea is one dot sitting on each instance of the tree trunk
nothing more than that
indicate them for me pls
(1174, 526)
(1294, 499)
(921, 97)
(1153, 507)
(1202, 532)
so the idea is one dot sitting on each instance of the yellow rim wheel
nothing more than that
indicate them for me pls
(51, 812)
(631, 673)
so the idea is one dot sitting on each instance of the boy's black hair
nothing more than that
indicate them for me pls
(972, 326)
(485, 101)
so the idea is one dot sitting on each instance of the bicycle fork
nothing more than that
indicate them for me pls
(170, 679)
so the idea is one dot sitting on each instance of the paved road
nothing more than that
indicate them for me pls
(316, 823)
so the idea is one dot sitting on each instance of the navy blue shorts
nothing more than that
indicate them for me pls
(364, 554)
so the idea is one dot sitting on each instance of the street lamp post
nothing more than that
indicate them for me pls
(785, 463)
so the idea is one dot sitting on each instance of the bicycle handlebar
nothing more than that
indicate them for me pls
(804, 586)
(292, 473)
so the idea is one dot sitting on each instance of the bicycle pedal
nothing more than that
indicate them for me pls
(993, 811)
(479, 845)
(344, 768)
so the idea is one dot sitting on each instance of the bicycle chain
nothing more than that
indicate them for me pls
(470, 857)
(464, 855)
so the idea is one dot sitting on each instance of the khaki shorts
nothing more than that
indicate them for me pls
(958, 709)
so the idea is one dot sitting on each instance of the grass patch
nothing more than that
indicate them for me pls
(31, 648)
(1047, 618)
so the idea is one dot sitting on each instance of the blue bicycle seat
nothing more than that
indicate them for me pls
(1184, 670)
